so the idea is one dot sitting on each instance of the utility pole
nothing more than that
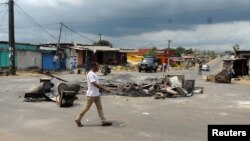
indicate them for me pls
(100, 38)
(57, 48)
(12, 66)
(59, 39)
(169, 41)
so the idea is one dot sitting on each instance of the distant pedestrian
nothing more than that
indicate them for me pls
(168, 67)
(164, 66)
(93, 96)
(73, 65)
(200, 69)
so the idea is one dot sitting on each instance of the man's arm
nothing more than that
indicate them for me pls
(100, 87)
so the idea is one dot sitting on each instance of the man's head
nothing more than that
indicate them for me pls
(94, 66)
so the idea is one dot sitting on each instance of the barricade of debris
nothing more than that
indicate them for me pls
(231, 69)
(53, 89)
(170, 86)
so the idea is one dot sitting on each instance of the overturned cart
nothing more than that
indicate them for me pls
(53, 89)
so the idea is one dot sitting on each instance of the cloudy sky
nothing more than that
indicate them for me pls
(200, 24)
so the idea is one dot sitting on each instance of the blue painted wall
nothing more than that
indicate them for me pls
(47, 62)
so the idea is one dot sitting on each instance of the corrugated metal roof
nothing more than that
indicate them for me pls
(18, 46)
(129, 50)
(48, 48)
(101, 48)
(78, 48)
(94, 48)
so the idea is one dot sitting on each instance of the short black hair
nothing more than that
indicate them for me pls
(93, 64)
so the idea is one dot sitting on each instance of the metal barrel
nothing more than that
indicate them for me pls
(68, 87)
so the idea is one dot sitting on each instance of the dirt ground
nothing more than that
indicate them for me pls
(241, 82)
(134, 118)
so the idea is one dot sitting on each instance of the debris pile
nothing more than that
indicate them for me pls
(52, 89)
(133, 90)
(170, 86)
(224, 76)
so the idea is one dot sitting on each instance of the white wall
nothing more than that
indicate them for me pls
(28, 59)
(71, 55)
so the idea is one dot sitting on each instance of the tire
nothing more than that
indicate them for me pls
(61, 100)
(189, 94)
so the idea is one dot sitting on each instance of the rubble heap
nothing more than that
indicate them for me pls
(53, 89)
(170, 86)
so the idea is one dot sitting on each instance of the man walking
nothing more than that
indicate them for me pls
(93, 96)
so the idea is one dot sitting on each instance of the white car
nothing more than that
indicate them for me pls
(205, 67)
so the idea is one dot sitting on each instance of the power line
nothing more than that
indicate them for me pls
(5, 3)
(3, 17)
(2, 9)
(33, 21)
(78, 33)
(170, 15)
(39, 25)
(30, 26)
(26, 17)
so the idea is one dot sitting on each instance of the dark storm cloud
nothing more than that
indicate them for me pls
(191, 23)
(119, 18)
(159, 16)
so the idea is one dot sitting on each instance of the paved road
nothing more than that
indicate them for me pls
(135, 119)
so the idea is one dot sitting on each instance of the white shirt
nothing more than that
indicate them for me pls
(92, 90)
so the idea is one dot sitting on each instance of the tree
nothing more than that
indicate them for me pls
(150, 52)
(188, 51)
(103, 43)
(181, 50)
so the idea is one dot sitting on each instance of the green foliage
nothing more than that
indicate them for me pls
(181, 50)
(103, 43)
(213, 55)
(189, 51)
(150, 52)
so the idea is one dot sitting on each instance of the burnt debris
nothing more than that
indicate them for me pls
(170, 86)
(53, 89)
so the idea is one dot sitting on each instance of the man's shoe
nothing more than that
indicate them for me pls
(106, 123)
(78, 123)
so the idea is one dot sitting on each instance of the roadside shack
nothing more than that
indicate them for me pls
(239, 66)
